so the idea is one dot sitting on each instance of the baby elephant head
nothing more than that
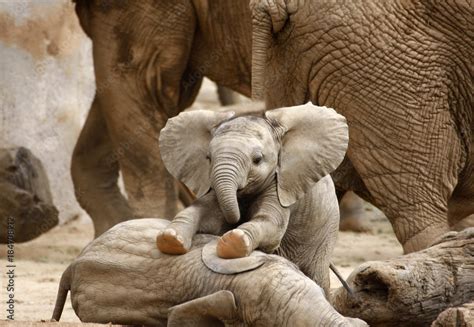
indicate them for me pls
(242, 155)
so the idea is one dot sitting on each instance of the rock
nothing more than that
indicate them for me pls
(462, 316)
(26, 204)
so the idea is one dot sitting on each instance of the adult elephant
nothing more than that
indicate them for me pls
(150, 58)
(402, 74)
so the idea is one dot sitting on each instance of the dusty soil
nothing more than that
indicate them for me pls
(40, 263)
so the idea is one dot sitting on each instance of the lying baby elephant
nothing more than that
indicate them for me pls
(269, 172)
(122, 278)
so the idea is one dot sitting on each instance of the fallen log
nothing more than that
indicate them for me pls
(414, 289)
(462, 316)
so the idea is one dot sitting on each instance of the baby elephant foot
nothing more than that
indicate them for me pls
(170, 242)
(234, 244)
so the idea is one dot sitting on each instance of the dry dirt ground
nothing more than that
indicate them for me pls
(40, 263)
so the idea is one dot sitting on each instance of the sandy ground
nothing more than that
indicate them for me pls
(40, 263)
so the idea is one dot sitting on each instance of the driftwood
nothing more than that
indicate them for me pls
(414, 289)
(456, 317)
(26, 204)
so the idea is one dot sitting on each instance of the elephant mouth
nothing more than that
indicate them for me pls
(243, 192)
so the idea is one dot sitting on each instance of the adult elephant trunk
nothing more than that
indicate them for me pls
(268, 17)
(225, 179)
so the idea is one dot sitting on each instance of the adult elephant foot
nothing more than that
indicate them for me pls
(463, 224)
(354, 223)
(461, 204)
(352, 213)
(425, 238)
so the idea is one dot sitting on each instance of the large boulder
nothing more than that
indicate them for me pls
(26, 204)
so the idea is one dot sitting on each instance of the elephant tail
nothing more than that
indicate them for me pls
(64, 287)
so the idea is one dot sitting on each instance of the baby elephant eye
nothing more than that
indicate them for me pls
(257, 159)
(208, 156)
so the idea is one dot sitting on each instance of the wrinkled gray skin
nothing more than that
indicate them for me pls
(122, 278)
(267, 177)
(401, 72)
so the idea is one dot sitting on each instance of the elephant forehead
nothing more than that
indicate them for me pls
(244, 126)
(236, 144)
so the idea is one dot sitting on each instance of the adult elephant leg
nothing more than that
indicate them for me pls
(226, 96)
(141, 51)
(95, 172)
(410, 167)
(461, 204)
(353, 217)
(461, 209)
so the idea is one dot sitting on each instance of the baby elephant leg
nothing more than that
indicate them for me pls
(265, 232)
(177, 237)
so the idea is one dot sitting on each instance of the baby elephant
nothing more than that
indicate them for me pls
(122, 278)
(268, 173)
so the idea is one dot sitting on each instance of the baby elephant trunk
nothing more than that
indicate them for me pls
(225, 177)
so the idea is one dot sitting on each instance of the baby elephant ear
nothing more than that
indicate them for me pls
(184, 143)
(314, 143)
(230, 266)
(210, 310)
